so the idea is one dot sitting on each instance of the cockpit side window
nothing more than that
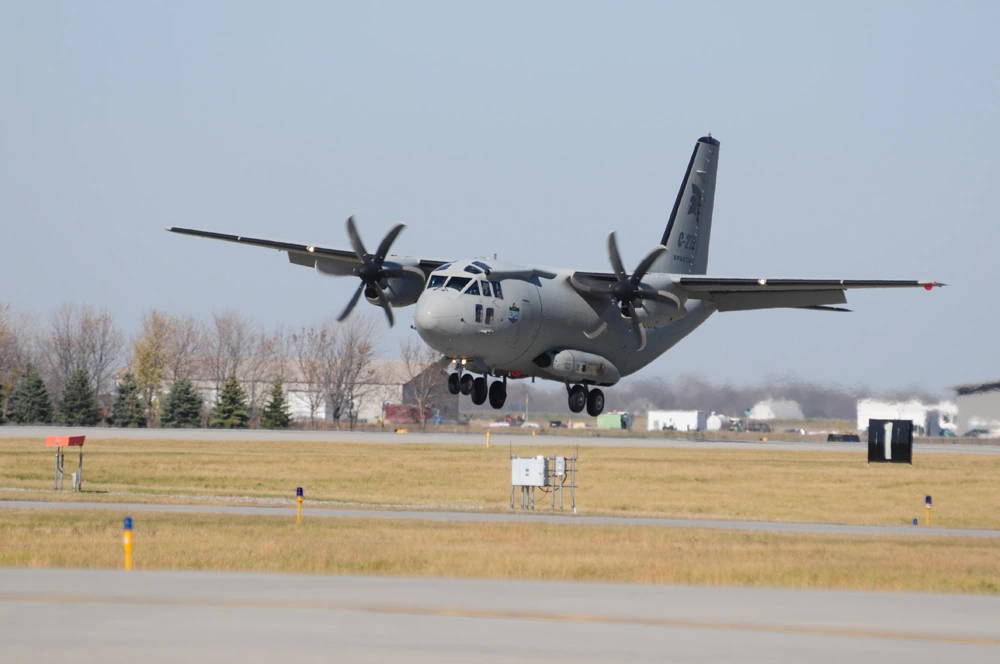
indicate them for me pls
(497, 291)
(484, 287)
(472, 270)
(439, 268)
(458, 283)
(436, 281)
(473, 289)
(483, 265)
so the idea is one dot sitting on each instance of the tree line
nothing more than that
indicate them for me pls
(79, 368)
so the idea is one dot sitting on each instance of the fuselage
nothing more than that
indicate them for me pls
(504, 326)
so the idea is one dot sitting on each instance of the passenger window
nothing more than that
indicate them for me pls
(479, 313)
(485, 288)
(458, 283)
(473, 289)
(489, 315)
(436, 281)
(497, 291)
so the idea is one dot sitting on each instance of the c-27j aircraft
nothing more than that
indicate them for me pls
(496, 320)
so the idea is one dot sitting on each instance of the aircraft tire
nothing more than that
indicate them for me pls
(595, 402)
(498, 394)
(577, 398)
(453, 386)
(465, 383)
(479, 391)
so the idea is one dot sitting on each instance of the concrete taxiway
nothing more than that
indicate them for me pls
(569, 520)
(108, 616)
(500, 436)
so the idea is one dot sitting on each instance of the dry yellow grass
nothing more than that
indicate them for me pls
(523, 551)
(706, 483)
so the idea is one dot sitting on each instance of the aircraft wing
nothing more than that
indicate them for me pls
(328, 261)
(745, 294)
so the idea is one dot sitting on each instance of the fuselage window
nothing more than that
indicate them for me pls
(458, 283)
(479, 313)
(436, 281)
(472, 270)
(489, 315)
(497, 291)
(473, 289)
(485, 288)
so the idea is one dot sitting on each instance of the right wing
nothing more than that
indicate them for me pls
(327, 261)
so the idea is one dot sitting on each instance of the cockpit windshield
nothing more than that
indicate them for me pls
(436, 281)
(473, 289)
(458, 283)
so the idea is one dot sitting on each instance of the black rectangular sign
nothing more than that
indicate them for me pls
(890, 441)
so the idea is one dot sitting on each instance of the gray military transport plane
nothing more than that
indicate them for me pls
(493, 319)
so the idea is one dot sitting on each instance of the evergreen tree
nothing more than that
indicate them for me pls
(183, 406)
(275, 414)
(78, 406)
(230, 410)
(29, 403)
(3, 406)
(127, 410)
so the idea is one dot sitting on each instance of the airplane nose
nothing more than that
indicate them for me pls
(435, 321)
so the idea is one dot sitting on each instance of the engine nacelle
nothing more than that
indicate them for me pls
(577, 366)
(400, 291)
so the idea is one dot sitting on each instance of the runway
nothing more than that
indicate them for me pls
(569, 520)
(108, 616)
(499, 437)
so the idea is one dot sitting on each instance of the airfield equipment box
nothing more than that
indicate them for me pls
(890, 441)
(530, 471)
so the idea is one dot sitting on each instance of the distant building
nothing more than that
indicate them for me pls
(978, 407)
(776, 409)
(928, 419)
(676, 420)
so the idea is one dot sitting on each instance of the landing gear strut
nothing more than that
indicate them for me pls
(580, 398)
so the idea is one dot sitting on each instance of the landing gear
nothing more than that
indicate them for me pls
(453, 386)
(577, 398)
(479, 391)
(498, 394)
(465, 383)
(580, 397)
(595, 402)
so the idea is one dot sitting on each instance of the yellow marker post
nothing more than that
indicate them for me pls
(127, 542)
(298, 506)
(927, 510)
(488, 434)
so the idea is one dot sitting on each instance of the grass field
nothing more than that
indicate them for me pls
(704, 483)
(92, 539)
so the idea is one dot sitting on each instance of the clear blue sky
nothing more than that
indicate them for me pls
(859, 140)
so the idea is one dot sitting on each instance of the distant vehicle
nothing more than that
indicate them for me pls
(947, 433)
(978, 433)
(501, 423)
(843, 438)
(556, 424)
(800, 432)
(531, 425)
(760, 427)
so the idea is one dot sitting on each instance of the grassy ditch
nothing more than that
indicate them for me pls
(705, 482)
(92, 539)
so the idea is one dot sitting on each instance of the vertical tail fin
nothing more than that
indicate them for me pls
(690, 226)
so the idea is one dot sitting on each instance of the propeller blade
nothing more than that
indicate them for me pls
(646, 263)
(356, 243)
(350, 305)
(597, 331)
(405, 271)
(659, 296)
(602, 290)
(637, 327)
(390, 237)
(616, 258)
(384, 303)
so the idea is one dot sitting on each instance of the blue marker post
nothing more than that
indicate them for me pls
(927, 510)
(298, 507)
(127, 541)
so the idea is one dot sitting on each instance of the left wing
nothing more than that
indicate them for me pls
(747, 294)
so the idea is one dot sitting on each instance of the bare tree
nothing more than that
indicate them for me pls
(425, 380)
(354, 371)
(315, 359)
(82, 338)
(228, 344)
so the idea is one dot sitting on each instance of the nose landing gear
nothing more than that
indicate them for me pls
(580, 397)
(479, 389)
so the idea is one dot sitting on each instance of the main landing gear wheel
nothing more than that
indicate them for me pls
(453, 386)
(498, 394)
(479, 391)
(595, 402)
(465, 383)
(577, 398)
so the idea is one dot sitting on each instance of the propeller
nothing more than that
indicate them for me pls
(371, 270)
(626, 290)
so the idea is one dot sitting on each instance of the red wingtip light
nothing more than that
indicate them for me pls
(930, 285)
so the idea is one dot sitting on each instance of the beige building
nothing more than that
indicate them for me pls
(979, 407)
